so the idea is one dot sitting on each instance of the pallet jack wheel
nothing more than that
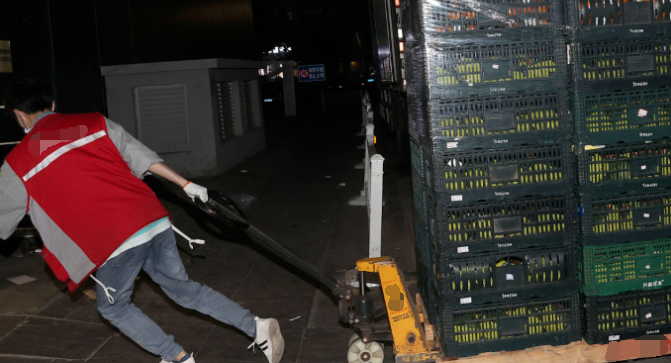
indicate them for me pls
(360, 352)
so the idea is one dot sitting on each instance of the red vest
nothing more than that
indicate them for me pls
(79, 184)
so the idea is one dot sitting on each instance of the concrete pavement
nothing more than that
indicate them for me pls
(301, 185)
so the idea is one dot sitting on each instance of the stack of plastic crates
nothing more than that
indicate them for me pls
(622, 117)
(493, 172)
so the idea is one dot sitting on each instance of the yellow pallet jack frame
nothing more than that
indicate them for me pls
(408, 332)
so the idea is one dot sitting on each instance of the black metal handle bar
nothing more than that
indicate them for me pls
(221, 207)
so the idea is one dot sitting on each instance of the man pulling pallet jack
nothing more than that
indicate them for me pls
(78, 177)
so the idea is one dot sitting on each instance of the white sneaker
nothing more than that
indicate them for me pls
(269, 339)
(190, 360)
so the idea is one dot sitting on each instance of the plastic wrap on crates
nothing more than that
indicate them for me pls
(533, 70)
(628, 315)
(509, 327)
(419, 198)
(485, 69)
(417, 157)
(490, 121)
(431, 307)
(631, 114)
(454, 20)
(617, 268)
(610, 170)
(600, 19)
(422, 241)
(461, 231)
(626, 217)
(505, 277)
(506, 173)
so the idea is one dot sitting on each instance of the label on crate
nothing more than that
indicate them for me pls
(462, 249)
(501, 194)
(643, 167)
(640, 84)
(646, 215)
(636, 30)
(504, 141)
(494, 35)
(653, 284)
(645, 134)
(613, 337)
(507, 296)
(648, 315)
(495, 66)
(510, 277)
(497, 89)
(509, 244)
(642, 113)
(652, 332)
(457, 198)
(452, 145)
(465, 300)
(649, 185)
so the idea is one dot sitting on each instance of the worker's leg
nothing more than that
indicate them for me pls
(165, 267)
(119, 273)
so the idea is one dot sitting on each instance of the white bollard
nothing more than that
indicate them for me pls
(375, 206)
(364, 111)
(371, 195)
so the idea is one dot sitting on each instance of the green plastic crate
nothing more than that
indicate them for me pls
(632, 266)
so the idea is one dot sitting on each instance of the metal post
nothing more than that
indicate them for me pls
(289, 89)
(364, 112)
(360, 201)
(375, 206)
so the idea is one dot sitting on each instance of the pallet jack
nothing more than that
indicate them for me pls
(408, 331)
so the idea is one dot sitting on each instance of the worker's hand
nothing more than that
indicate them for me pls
(195, 190)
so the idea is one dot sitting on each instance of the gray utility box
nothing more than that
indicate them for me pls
(202, 116)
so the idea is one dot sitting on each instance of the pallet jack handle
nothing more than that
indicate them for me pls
(223, 208)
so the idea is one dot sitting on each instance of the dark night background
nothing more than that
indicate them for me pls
(66, 42)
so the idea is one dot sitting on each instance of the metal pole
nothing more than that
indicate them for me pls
(370, 132)
(362, 200)
(289, 89)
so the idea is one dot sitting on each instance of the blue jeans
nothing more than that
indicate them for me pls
(160, 260)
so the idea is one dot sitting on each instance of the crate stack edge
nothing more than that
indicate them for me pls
(493, 172)
(622, 117)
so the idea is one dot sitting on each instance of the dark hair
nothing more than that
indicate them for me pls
(28, 95)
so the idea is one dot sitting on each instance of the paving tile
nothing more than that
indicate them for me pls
(6, 359)
(28, 298)
(65, 339)
(120, 349)
(224, 345)
(72, 306)
(7, 323)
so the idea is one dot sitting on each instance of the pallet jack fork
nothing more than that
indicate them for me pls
(411, 336)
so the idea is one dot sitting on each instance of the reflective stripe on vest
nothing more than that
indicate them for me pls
(58, 153)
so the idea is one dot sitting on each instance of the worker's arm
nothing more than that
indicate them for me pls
(143, 161)
(13, 201)
(138, 157)
(163, 170)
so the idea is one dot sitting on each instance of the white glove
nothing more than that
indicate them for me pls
(195, 190)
